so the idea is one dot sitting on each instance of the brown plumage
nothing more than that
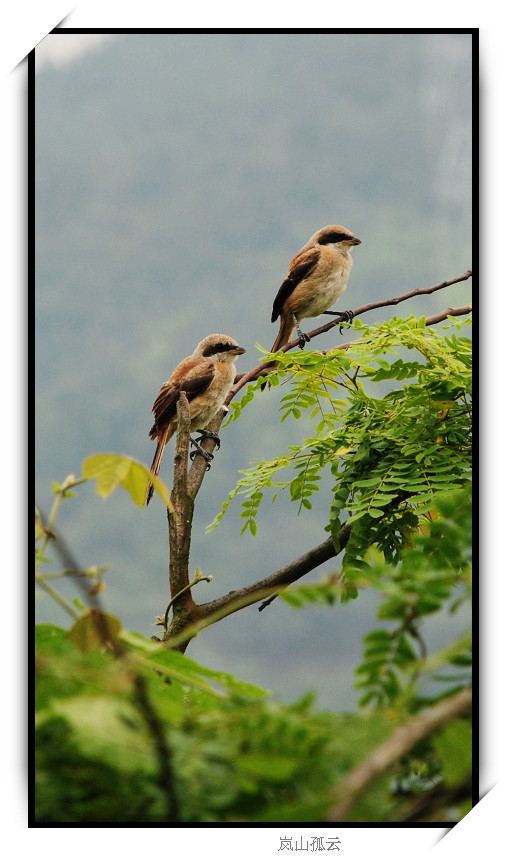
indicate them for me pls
(206, 377)
(317, 277)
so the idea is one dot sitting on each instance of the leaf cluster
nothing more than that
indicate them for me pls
(434, 571)
(390, 454)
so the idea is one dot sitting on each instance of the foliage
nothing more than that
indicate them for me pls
(236, 757)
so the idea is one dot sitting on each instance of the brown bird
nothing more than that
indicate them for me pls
(317, 277)
(206, 377)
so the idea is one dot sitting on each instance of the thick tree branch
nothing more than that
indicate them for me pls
(180, 520)
(404, 738)
(279, 579)
(199, 464)
(210, 613)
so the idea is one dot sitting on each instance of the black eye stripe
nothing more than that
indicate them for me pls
(334, 237)
(220, 347)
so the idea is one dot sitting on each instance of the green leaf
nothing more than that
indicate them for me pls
(190, 673)
(111, 470)
(93, 629)
(454, 747)
(108, 729)
(268, 767)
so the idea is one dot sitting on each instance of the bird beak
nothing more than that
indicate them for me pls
(355, 242)
(239, 350)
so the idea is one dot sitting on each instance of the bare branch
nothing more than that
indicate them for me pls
(277, 581)
(441, 316)
(214, 611)
(393, 301)
(404, 738)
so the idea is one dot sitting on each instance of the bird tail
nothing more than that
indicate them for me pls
(284, 334)
(157, 460)
(285, 331)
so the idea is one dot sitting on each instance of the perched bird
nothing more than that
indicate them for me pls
(317, 277)
(206, 377)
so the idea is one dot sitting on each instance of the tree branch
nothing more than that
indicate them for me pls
(441, 316)
(180, 521)
(384, 756)
(262, 369)
(199, 464)
(277, 581)
(215, 610)
(416, 292)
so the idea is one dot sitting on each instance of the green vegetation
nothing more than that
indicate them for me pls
(129, 730)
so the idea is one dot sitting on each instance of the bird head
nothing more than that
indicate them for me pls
(343, 238)
(220, 348)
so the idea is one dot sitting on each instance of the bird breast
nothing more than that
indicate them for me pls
(204, 407)
(315, 300)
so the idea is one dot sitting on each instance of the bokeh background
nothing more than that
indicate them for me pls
(176, 176)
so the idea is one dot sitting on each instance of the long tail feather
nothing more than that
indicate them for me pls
(284, 334)
(157, 460)
(285, 331)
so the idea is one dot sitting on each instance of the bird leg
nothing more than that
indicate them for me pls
(302, 336)
(346, 316)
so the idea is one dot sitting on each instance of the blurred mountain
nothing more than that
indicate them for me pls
(176, 176)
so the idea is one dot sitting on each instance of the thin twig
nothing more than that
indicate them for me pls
(441, 316)
(416, 292)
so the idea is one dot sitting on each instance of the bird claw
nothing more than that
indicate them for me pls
(347, 316)
(303, 338)
(209, 435)
(208, 457)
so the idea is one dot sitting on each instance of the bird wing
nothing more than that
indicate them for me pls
(300, 267)
(193, 377)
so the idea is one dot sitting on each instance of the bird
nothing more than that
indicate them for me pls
(317, 277)
(206, 376)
